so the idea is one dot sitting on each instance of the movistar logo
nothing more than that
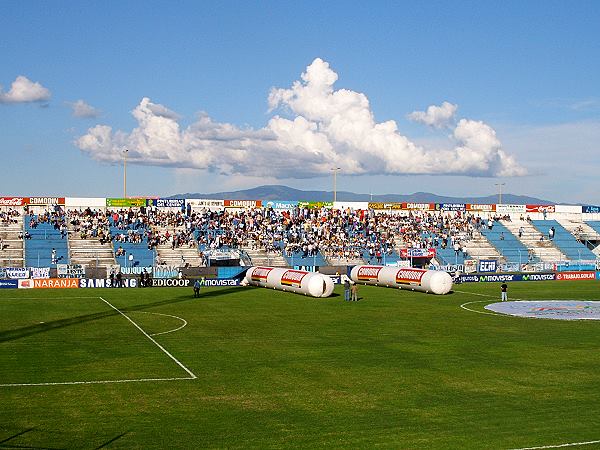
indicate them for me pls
(525, 277)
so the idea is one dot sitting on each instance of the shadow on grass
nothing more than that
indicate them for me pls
(11, 335)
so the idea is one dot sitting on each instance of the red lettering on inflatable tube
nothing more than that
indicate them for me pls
(261, 273)
(293, 278)
(409, 276)
(368, 273)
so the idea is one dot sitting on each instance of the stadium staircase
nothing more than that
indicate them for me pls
(89, 252)
(564, 241)
(260, 257)
(595, 226)
(179, 256)
(12, 253)
(544, 251)
(44, 238)
(507, 244)
(478, 247)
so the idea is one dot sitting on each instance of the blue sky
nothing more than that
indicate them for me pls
(520, 81)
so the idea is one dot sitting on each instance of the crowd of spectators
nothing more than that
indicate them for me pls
(337, 234)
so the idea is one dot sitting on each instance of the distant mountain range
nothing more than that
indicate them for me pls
(278, 192)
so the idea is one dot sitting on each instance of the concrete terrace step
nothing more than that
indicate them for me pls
(544, 250)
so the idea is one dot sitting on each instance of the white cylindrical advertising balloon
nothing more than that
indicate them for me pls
(314, 284)
(434, 281)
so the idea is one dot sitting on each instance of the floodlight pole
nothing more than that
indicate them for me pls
(335, 169)
(125, 173)
(500, 191)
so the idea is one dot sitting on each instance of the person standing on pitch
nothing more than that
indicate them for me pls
(503, 289)
(354, 292)
(347, 289)
(197, 289)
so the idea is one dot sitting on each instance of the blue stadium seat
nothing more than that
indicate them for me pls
(564, 240)
(507, 244)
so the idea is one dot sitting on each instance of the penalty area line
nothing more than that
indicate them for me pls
(570, 444)
(165, 351)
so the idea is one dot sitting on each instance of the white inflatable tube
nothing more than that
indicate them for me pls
(314, 284)
(434, 281)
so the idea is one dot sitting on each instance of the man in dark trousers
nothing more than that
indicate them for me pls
(196, 288)
(503, 288)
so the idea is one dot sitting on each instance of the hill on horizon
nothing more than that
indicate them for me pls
(280, 192)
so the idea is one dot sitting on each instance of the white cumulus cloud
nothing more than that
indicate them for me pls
(82, 110)
(435, 116)
(23, 90)
(317, 128)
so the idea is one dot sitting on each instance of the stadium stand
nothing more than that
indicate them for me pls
(507, 244)
(480, 248)
(11, 239)
(541, 249)
(563, 240)
(89, 239)
(131, 245)
(46, 240)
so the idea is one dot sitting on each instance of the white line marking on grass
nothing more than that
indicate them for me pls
(571, 444)
(166, 315)
(189, 372)
(464, 306)
(59, 383)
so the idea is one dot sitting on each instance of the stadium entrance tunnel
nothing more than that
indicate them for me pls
(550, 309)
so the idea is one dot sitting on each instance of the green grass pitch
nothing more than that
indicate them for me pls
(257, 368)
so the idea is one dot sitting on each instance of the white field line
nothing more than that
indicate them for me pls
(571, 444)
(59, 383)
(166, 315)
(189, 372)
(132, 380)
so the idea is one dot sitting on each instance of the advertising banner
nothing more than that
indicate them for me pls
(368, 273)
(40, 272)
(487, 265)
(572, 209)
(279, 204)
(70, 271)
(419, 206)
(165, 272)
(587, 209)
(470, 265)
(539, 276)
(382, 206)
(293, 278)
(417, 253)
(242, 203)
(315, 205)
(260, 274)
(16, 273)
(409, 276)
(9, 284)
(199, 203)
(450, 206)
(25, 284)
(356, 206)
(56, 283)
(84, 202)
(13, 201)
(125, 202)
(167, 202)
(576, 276)
(480, 207)
(540, 208)
(103, 282)
(511, 209)
(45, 201)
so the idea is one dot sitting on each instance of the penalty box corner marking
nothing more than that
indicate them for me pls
(191, 375)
